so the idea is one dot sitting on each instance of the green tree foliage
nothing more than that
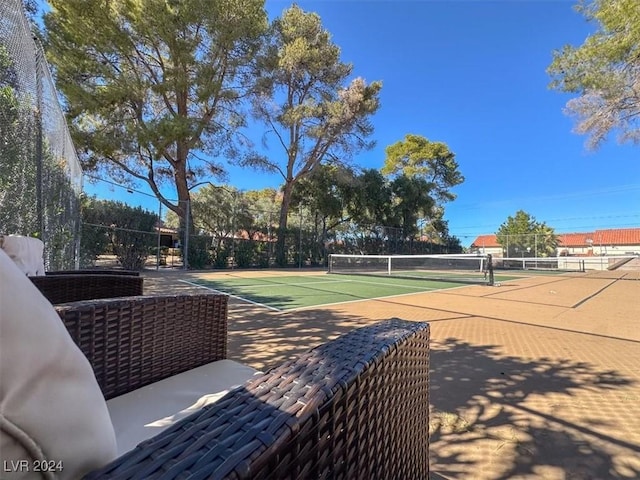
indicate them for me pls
(217, 211)
(224, 214)
(411, 202)
(371, 203)
(153, 87)
(604, 71)
(128, 231)
(423, 174)
(307, 105)
(17, 158)
(523, 235)
(326, 194)
(433, 162)
(263, 206)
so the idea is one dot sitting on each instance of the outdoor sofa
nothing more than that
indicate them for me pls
(67, 285)
(82, 383)
(86, 285)
(94, 271)
(355, 407)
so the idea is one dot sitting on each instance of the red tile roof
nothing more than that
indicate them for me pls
(620, 236)
(486, 241)
(616, 236)
(574, 239)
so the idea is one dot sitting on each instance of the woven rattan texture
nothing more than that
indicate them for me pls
(94, 272)
(72, 288)
(132, 342)
(353, 408)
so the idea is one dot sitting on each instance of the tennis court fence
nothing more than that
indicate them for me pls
(41, 176)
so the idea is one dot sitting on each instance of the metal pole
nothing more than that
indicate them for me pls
(269, 246)
(39, 150)
(159, 227)
(233, 229)
(300, 246)
(185, 247)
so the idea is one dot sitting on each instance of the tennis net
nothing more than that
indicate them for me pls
(561, 264)
(477, 269)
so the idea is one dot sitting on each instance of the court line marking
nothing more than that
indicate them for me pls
(348, 280)
(274, 309)
(421, 290)
(321, 305)
(286, 284)
(598, 292)
(374, 299)
(424, 289)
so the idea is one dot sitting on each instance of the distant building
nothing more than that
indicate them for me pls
(487, 244)
(618, 241)
(570, 244)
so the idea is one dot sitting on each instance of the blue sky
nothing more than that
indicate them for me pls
(472, 74)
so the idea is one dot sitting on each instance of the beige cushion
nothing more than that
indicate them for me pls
(50, 404)
(26, 252)
(145, 412)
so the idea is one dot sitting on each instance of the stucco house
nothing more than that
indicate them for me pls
(622, 241)
(570, 244)
(487, 244)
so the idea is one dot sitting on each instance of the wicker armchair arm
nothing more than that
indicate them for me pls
(75, 287)
(356, 407)
(132, 342)
(94, 271)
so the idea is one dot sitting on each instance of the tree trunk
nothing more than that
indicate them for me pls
(185, 212)
(281, 250)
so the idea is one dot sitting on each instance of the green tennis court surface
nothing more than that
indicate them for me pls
(301, 291)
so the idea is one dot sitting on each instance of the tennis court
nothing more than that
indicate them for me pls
(535, 378)
(292, 292)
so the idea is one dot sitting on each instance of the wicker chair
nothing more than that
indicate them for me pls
(355, 407)
(94, 271)
(68, 287)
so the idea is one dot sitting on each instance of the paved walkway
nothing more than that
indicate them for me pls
(536, 379)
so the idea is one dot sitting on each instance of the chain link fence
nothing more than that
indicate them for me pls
(232, 230)
(519, 245)
(40, 175)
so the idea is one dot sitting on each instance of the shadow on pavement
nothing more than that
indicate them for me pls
(487, 405)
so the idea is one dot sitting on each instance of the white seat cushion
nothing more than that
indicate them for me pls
(51, 407)
(147, 411)
(26, 252)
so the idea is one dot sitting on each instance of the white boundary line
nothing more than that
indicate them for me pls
(361, 300)
(390, 285)
(274, 309)
(426, 290)
(319, 282)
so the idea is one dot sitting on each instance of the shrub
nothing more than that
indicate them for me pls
(128, 231)
(199, 255)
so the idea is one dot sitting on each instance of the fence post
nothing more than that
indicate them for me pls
(300, 240)
(269, 242)
(187, 227)
(158, 243)
(234, 198)
(39, 147)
